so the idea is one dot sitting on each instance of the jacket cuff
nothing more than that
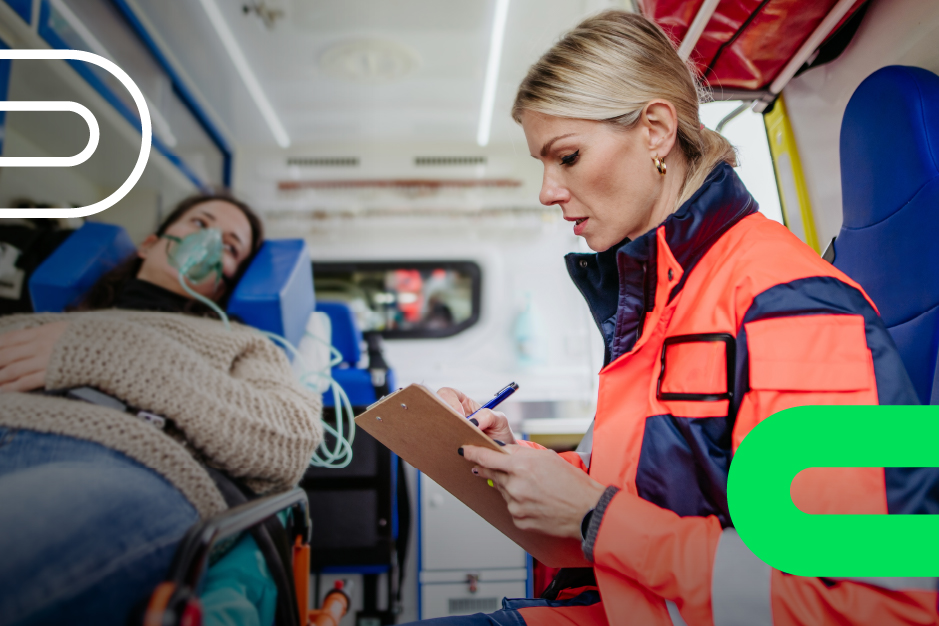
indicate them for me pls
(594, 528)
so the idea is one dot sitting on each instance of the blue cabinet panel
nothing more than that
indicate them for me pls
(24, 8)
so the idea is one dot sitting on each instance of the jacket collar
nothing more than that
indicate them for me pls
(619, 284)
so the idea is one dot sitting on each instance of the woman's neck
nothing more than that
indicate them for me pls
(143, 295)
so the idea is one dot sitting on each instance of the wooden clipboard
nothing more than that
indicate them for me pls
(425, 431)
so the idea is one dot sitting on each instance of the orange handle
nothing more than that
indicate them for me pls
(335, 606)
(301, 575)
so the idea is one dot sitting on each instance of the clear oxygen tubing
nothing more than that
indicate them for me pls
(340, 454)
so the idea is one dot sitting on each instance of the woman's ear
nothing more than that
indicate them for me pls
(146, 245)
(661, 123)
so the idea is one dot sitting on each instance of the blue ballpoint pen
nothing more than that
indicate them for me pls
(496, 400)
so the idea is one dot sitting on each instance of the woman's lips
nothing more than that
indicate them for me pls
(580, 225)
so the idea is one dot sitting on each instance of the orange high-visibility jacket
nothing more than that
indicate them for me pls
(714, 321)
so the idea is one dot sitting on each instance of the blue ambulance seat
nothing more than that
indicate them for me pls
(890, 196)
(347, 339)
(275, 294)
(73, 268)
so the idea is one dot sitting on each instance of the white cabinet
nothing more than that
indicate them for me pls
(466, 565)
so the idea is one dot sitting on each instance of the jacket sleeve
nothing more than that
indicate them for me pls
(232, 393)
(571, 457)
(833, 350)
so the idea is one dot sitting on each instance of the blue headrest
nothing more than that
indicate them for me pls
(889, 143)
(276, 292)
(64, 277)
(890, 201)
(347, 337)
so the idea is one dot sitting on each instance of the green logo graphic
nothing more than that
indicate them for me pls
(758, 491)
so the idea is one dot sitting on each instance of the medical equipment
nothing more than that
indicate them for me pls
(335, 605)
(197, 256)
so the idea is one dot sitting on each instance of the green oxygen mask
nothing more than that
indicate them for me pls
(198, 257)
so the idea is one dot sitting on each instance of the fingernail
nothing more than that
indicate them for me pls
(460, 451)
(475, 470)
(475, 421)
(498, 442)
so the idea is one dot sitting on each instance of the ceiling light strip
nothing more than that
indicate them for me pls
(247, 75)
(492, 72)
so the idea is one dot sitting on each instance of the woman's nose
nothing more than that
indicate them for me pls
(551, 192)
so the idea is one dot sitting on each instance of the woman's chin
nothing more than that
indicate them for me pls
(598, 244)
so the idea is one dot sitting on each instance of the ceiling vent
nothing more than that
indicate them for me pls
(437, 161)
(323, 161)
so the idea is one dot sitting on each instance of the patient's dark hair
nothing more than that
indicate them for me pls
(104, 293)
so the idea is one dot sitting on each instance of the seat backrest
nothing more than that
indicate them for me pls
(347, 336)
(889, 239)
(275, 294)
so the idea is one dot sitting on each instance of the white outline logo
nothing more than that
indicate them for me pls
(94, 133)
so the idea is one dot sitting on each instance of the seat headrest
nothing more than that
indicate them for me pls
(71, 270)
(889, 143)
(276, 292)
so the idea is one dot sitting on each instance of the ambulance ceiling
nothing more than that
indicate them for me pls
(755, 45)
(360, 70)
(365, 71)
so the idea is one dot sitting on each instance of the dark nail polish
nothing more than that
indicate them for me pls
(498, 442)
(474, 421)
(460, 451)
(475, 471)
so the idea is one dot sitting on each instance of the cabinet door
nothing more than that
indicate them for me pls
(453, 537)
(447, 599)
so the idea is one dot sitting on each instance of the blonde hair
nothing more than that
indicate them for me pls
(607, 69)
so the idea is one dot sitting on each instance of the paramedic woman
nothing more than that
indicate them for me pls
(93, 500)
(748, 321)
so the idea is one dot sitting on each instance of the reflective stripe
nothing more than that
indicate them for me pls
(674, 614)
(896, 584)
(585, 447)
(740, 586)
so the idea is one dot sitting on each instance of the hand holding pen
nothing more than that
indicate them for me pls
(493, 423)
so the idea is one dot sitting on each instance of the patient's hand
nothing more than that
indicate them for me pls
(25, 354)
(493, 423)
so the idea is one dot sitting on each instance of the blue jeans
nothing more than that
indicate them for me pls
(86, 533)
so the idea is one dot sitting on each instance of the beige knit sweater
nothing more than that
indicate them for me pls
(231, 393)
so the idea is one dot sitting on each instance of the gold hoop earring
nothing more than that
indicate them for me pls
(659, 164)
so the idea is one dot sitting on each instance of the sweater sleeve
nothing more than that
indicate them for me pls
(231, 393)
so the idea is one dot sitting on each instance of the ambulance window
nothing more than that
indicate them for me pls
(404, 300)
(744, 129)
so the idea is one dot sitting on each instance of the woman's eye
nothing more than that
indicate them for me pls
(200, 222)
(570, 159)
